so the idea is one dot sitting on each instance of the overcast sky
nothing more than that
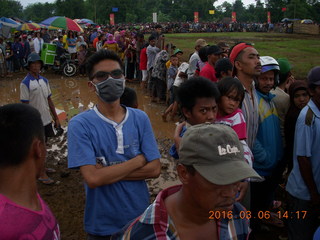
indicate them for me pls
(26, 2)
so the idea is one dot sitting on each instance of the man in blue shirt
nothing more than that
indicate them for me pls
(304, 180)
(115, 149)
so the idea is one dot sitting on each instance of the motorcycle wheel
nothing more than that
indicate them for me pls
(69, 69)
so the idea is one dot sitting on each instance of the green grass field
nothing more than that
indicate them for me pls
(303, 51)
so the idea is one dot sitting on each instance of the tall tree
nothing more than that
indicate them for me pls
(71, 8)
(10, 8)
(38, 12)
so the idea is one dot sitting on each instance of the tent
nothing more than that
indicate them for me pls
(5, 30)
(9, 22)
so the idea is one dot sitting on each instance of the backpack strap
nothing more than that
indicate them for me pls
(309, 117)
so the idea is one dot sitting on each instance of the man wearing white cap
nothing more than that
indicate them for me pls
(194, 59)
(210, 168)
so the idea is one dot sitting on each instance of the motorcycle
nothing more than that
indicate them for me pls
(59, 60)
(63, 63)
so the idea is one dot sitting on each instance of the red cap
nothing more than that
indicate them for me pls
(236, 50)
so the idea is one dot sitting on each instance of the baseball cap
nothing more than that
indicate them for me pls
(236, 50)
(215, 151)
(214, 49)
(314, 76)
(177, 51)
(284, 65)
(201, 42)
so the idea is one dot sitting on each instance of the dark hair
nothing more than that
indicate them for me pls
(194, 88)
(203, 54)
(129, 98)
(158, 26)
(84, 46)
(227, 85)
(283, 77)
(69, 34)
(99, 56)
(19, 125)
(152, 38)
(140, 35)
(222, 65)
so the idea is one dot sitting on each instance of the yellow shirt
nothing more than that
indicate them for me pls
(64, 40)
(168, 64)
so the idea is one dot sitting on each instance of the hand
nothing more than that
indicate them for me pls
(57, 123)
(141, 159)
(243, 186)
(179, 129)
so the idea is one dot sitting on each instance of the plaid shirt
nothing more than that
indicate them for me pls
(155, 223)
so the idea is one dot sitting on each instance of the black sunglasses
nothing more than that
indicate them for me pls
(101, 75)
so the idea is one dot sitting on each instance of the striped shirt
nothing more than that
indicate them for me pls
(156, 224)
(237, 122)
(251, 114)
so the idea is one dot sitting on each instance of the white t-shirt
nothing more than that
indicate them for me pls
(183, 68)
(36, 93)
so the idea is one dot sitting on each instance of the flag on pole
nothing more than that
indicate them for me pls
(154, 17)
(269, 17)
(196, 17)
(234, 16)
(284, 9)
(211, 11)
(112, 19)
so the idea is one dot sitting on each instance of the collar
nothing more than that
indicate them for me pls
(314, 108)
(268, 97)
(113, 123)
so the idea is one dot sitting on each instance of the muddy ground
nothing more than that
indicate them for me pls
(66, 197)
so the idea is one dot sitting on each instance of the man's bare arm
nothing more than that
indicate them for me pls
(150, 170)
(96, 177)
(307, 175)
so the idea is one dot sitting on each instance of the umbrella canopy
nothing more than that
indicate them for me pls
(62, 22)
(28, 27)
(308, 21)
(9, 20)
(86, 21)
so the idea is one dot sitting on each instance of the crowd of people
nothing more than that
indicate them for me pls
(247, 128)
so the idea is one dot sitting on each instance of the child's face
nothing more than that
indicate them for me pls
(179, 55)
(174, 61)
(229, 103)
(152, 43)
(205, 110)
(301, 98)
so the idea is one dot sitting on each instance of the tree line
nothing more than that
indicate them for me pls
(140, 11)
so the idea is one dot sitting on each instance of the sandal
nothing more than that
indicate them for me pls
(273, 220)
(50, 170)
(46, 181)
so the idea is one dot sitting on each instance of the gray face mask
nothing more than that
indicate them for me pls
(111, 89)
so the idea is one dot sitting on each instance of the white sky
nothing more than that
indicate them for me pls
(219, 2)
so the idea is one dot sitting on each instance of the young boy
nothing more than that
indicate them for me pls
(223, 68)
(81, 54)
(171, 75)
(197, 98)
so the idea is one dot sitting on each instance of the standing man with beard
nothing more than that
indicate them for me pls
(115, 149)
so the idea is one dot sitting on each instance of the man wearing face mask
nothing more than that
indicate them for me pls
(115, 149)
